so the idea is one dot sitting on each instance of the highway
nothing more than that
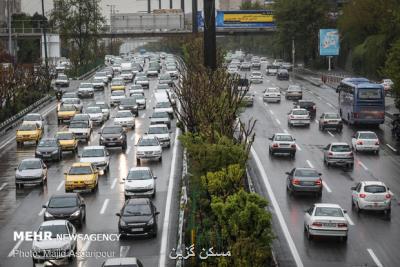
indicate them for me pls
(373, 239)
(21, 209)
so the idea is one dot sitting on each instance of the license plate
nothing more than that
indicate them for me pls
(137, 230)
(46, 156)
(330, 224)
(79, 190)
(111, 143)
(308, 183)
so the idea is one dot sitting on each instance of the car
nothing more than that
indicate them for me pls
(371, 195)
(81, 130)
(34, 118)
(282, 74)
(98, 83)
(148, 147)
(282, 143)
(161, 132)
(102, 75)
(366, 141)
(122, 262)
(49, 149)
(138, 216)
(68, 141)
(136, 89)
(165, 79)
(309, 105)
(86, 90)
(98, 156)
(65, 206)
(116, 97)
(127, 74)
(256, 77)
(277, 62)
(233, 69)
(140, 100)
(272, 94)
(298, 117)
(325, 219)
(338, 153)
(330, 120)
(255, 64)
(31, 171)
(125, 118)
(95, 114)
(62, 80)
(130, 104)
(160, 117)
(113, 136)
(143, 81)
(105, 109)
(117, 85)
(67, 95)
(271, 70)
(81, 177)
(294, 92)
(28, 133)
(82, 117)
(164, 105)
(140, 182)
(172, 71)
(152, 71)
(287, 66)
(245, 66)
(109, 72)
(62, 243)
(305, 180)
(248, 99)
(66, 112)
(76, 102)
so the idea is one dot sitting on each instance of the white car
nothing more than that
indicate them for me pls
(298, 117)
(140, 100)
(136, 89)
(256, 77)
(232, 69)
(98, 83)
(62, 80)
(365, 141)
(172, 71)
(161, 132)
(127, 75)
(272, 94)
(165, 107)
(86, 90)
(159, 117)
(116, 97)
(34, 118)
(148, 147)
(82, 117)
(105, 109)
(73, 101)
(143, 81)
(371, 195)
(140, 181)
(98, 156)
(282, 143)
(101, 75)
(81, 129)
(326, 220)
(61, 243)
(95, 113)
(125, 118)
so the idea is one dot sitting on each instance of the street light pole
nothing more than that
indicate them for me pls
(210, 42)
(148, 6)
(45, 40)
(9, 28)
(194, 16)
(293, 54)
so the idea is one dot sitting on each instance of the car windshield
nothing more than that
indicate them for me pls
(306, 104)
(63, 202)
(67, 108)
(162, 86)
(158, 130)
(171, 68)
(93, 152)
(369, 94)
(137, 210)
(136, 87)
(32, 117)
(272, 90)
(124, 114)
(111, 130)
(374, 189)
(128, 101)
(340, 148)
(300, 112)
(27, 127)
(62, 77)
(92, 110)
(328, 211)
(256, 74)
(126, 72)
(306, 173)
(55, 230)
(71, 101)
(117, 83)
(98, 80)
(117, 93)
(100, 74)
(148, 142)
(367, 136)
(102, 105)
(284, 137)
(30, 165)
(332, 116)
(294, 88)
(160, 115)
(80, 170)
(47, 143)
(65, 136)
(79, 124)
(85, 85)
(163, 105)
(139, 175)
(137, 96)
(69, 95)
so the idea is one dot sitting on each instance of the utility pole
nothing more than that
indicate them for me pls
(210, 42)
(293, 54)
(170, 4)
(183, 6)
(194, 16)
(10, 51)
(159, 4)
(148, 6)
(44, 25)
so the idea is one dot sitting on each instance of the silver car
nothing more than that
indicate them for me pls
(272, 94)
(98, 156)
(371, 195)
(338, 154)
(298, 117)
(294, 92)
(282, 143)
(86, 90)
(31, 171)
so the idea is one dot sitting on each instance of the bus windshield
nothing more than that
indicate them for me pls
(369, 94)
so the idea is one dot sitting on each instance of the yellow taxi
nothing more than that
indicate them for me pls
(67, 141)
(66, 112)
(81, 176)
(29, 132)
(117, 85)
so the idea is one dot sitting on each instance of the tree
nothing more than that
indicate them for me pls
(249, 5)
(392, 70)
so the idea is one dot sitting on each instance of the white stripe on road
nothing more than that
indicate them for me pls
(298, 147)
(41, 212)
(132, 137)
(104, 207)
(171, 184)
(3, 185)
(309, 164)
(278, 121)
(60, 185)
(12, 252)
(270, 111)
(114, 183)
(326, 187)
(123, 251)
(329, 104)
(319, 97)
(392, 148)
(142, 116)
(362, 165)
(286, 131)
(277, 210)
(128, 150)
(374, 257)
(331, 134)
(349, 219)
(316, 121)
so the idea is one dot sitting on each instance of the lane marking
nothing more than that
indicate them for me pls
(86, 246)
(277, 210)
(319, 97)
(123, 251)
(329, 104)
(41, 212)
(142, 116)
(3, 186)
(132, 137)
(374, 257)
(298, 147)
(286, 131)
(128, 150)
(362, 165)
(114, 183)
(104, 207)
(278, 121)
(331, 134)
(326, 186)
(309, 164)
(171, 184)
(12, 252)
(349, 219)
(316, 121)
(392, 148)
(270, 111)
(60, 185)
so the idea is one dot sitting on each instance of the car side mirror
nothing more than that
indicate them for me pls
(344, 211)
(15, 168)
(353, 188)
(319, 174)
(288, 173)
(118, 214)
(44, 206)
(270, 138)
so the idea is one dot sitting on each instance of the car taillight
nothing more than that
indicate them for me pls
(362, 195)
(330, 154)
(314, 107)
(325, 122)
(296, 181)
(351, 154)
(377, 143)
(275, 145)
(342, 225)
(388, 196)
(318, 182)
(317, 224)
(359, 142)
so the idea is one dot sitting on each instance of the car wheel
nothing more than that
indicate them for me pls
(318, 194)
(321, 127)
(352, 202)
(138, 162)
(160, 159)
(76, 150)
(309, 236)
(388, 212)
(293, 155)
(357, 207)
(124, 145)
(377, 152)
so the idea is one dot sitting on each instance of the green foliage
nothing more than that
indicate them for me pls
(248, 5)
(392, 70)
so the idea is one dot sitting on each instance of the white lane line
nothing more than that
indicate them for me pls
(329, 104)
(316, 121)
(41, 212)
(277, 210)
(12, 252)
(319, 97)
(285, 131)
(392, 148)
(374, 257)
(104, 207)
(142, 116)
(128, 150)
(326, 187)
(298, 147)
(331, 134)
(123, 251)
(349, 219)
(60, 185)
(114, 183)
(86, 246)
(309, 164)
(3, 186)
(132, 137)
(362, 165)
(278, 121)
(171, 184)
(270, 111)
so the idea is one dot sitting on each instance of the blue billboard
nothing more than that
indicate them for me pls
(329, 42)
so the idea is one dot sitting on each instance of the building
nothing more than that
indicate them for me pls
(15, 7)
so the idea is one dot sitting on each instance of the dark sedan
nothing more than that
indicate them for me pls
(138, 217)
(282, 74)
(129, 104)
(49, 149)
(113, 136)
(68, 206)
(306, 180)
(309, 105)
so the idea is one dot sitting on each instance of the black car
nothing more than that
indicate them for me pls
(282, 74)
(49, 149)
(113, 136)
(129, 103)
(138, 217)
(67, 206)
(308, 105)
(306, 180)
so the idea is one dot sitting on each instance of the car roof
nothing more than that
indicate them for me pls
(299, 109)
(93, 147)
(81, 164)
(373, 183)
(31, 159)
(158, 125)
(339, 144)
(121, 261)
(54, 222)
(139, 169)
(64, 195)
(366, 132)
(305, 168)
(329, 205)
(148, 137)
(288, 134)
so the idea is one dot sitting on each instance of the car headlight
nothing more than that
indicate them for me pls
(54, 152)
(151, 221)
(76, 213)
(38, 152)
(150, 186)
(48, 215)
(122, 223)
(102, 138)
(121, 137)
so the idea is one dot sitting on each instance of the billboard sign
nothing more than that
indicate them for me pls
(329, 42)
(245, 19)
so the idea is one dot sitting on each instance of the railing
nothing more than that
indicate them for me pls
(26, 30)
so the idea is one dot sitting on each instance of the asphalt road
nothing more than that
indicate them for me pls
(373, 240)
(21, 209)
